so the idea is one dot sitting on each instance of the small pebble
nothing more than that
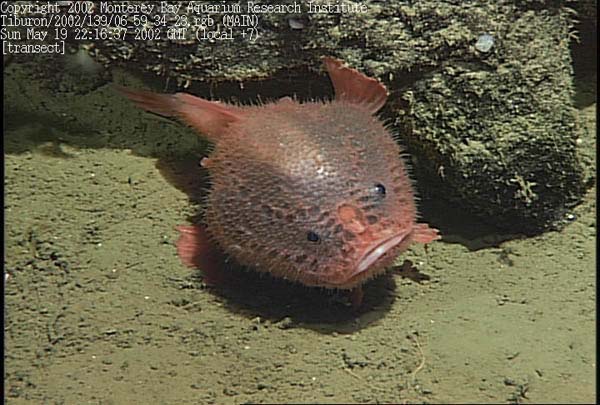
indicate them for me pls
(295, 23)
(484, 43)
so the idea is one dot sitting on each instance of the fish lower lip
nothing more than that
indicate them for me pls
(379, 250)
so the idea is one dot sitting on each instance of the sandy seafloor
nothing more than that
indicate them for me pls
(99, 309)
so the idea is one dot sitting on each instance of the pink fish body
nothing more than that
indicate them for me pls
(312, 192)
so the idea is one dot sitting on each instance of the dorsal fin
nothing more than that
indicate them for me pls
(211, 118)
(354, 87)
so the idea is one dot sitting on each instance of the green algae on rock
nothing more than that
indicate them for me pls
(500, 133)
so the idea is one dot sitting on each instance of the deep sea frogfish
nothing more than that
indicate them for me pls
(313, 192)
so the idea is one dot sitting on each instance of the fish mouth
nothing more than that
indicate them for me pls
(378, 250)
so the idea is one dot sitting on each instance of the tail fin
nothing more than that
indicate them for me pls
(211, 118)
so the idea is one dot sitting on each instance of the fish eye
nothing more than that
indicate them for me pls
(379, 189)
(313, 236)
